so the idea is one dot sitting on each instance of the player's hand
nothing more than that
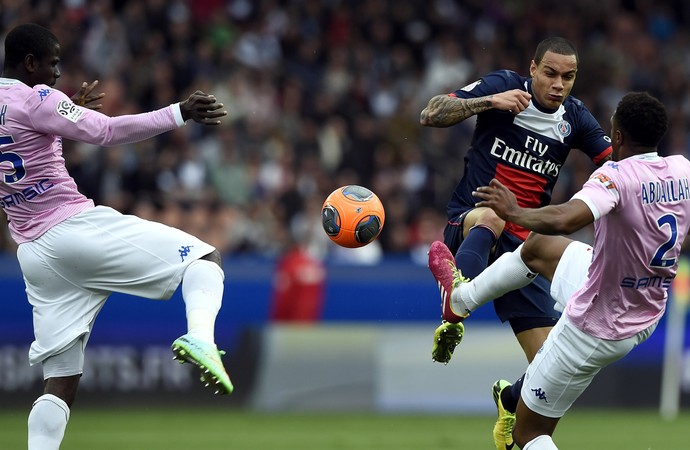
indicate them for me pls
(497, 197)
(514, 101)
(202, 108)
(85, 97)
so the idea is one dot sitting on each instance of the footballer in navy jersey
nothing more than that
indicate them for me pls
(525, 129)
(525, 151)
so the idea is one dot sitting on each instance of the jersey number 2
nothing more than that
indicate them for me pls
(658, 260)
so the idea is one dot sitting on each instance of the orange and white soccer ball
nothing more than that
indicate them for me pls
(352, 216)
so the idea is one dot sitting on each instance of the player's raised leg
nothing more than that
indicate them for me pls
(202, 290)
(480, 228)
(448, 277)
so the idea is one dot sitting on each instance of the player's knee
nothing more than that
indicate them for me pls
(489, 219)
(215, 257)
(530, 252)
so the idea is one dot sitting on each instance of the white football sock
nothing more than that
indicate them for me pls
(202, 290)
(47, 422)
(506, 274)
(543, 442)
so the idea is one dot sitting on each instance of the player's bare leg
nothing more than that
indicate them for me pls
(533, 431)
(532, 340)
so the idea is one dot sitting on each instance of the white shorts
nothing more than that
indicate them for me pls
(567, 363)
(570, 273)
(72, 269)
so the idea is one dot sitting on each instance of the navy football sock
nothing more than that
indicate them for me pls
(511, 395)
(473, 255)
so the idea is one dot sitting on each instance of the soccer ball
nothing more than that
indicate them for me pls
(352, 216)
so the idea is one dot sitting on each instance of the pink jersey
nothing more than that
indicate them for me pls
(36, 192)
(640, 206)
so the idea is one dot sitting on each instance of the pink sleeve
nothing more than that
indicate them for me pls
(600, 193)
(57, 115)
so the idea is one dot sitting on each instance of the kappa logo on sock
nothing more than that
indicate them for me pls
(184, 251)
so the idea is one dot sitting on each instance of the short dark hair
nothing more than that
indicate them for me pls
(642, 118)
(557, 45)
(28, 38)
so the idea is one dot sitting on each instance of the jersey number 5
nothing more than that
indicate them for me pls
(17, 163)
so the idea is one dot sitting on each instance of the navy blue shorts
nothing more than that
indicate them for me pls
(525, 309)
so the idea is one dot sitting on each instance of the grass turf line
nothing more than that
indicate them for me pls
(178, 429)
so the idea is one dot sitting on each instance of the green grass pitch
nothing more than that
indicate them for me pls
(207, 429)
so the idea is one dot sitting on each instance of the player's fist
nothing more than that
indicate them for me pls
(202, 108)
(514, 101)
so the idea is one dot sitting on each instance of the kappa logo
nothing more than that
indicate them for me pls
(541, 395)
(184, 251)
(43, 93)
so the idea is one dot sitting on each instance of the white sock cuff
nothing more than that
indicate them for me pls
(56, 400)
(518, 252)
(543, 442)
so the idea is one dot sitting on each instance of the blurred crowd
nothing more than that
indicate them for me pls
(323, 93)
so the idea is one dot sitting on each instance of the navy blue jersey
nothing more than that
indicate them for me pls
(526, 151)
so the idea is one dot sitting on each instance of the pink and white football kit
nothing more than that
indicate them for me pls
(640, 206)
(73, 254)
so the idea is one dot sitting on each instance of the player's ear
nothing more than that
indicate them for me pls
(30, 63)
(619, 137)
(532, 68)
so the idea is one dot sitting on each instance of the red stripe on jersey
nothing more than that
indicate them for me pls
(528, 189)
(602, 155)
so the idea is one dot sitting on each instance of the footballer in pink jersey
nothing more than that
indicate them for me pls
(640, 207)
(614, 293)
(74, 254)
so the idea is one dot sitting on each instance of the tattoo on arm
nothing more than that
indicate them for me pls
(444, 110)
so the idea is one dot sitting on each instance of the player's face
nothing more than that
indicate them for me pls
(46, 70)
(553, 79)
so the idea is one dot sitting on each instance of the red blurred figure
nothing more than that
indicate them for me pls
(298, 287)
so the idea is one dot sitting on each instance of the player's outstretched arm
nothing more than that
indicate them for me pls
(565, 218)
(446, 110)
(86, 98)
(202, 108)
